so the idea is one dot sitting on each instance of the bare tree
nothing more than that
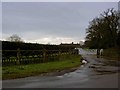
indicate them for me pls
(14, 38)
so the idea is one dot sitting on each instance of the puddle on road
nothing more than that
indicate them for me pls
(80, 73)
(102, 69)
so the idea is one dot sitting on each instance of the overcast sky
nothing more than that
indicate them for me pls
(50, 22)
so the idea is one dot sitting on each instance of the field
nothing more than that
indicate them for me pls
(20, 71)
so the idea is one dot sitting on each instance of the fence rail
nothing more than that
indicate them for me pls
(18, 57)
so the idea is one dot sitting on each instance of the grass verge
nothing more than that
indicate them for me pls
(66, 62)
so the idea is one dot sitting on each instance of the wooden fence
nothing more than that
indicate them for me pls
(18, 57)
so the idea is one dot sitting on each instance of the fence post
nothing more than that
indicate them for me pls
(44, 55)
(59, 54)
(18, 56)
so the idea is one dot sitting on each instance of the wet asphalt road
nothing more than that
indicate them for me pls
(95, 74)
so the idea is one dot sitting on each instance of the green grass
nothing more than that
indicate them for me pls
(66, 62)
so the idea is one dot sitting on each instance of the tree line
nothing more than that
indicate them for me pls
(103, 31)
(7, 45)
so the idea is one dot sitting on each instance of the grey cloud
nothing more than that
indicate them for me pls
(39, 20)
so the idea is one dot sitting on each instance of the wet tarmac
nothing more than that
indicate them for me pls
(94, 74)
